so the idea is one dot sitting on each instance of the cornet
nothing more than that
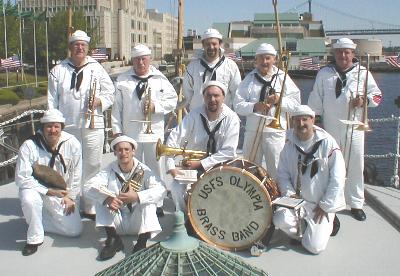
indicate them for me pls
(147, 109)
(92, 95)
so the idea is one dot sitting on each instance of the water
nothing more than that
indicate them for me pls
(383, 137)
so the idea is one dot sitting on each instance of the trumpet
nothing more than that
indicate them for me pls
(364, 118)
(92, 95)
(147, 109)
(188, 155)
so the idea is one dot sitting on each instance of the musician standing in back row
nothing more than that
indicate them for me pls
(311, 167)
(211, 64)
(259, 93)
(127, 212)
(212, 128)
(133, 103)
(338, 94)
(47, 208)
(71, 83)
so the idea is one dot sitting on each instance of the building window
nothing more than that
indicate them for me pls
(133, 38)
(139, 25)
(145, 26)
(133, 24)
(291, 46)
(145, 38)
(140, 38)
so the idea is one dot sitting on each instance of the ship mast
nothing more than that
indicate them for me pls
(69, 27)
(179, 67)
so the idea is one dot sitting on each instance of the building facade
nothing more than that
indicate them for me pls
(121, 24)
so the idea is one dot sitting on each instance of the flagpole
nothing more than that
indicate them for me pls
(20, 44)
(5, 38)
(47, 46)
(34, 48)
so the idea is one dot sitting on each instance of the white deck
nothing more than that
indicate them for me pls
(360, 248)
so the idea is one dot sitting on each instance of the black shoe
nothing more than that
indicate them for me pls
(336, 226)
(141, 242)
(113, 245)
(358, 214)
(30, 249)
(160, 212)
(138, 246)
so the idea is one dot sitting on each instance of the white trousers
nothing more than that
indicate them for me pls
(315, 237)
(270, 147)
(92, 141)
(146, 153)
(353, 151)
(143, 219)
(45, 213)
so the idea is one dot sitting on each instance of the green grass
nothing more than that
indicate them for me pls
(15, 91)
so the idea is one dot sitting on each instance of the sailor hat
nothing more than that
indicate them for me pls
(215, 83)
(52, 116)
(141, 50)
(79, 35)
(302, 110)
(344, 43)
(123, 138)
(211, 33)
(266, 49)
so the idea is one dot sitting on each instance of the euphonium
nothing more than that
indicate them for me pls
(135, 181)
(92, 95)
(147, 109)
(188, 155)
(276, 124)
(364, 118)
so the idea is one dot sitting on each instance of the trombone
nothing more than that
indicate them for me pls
(364, 119)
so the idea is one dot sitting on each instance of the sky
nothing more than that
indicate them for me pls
(200, 14)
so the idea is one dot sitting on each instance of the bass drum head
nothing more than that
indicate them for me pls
(229, 208)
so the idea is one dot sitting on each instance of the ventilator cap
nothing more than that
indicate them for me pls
(123, 138)
(266, 49)
(211, 33)
(141, 50)
(79, 35)
(215, 83)
(344, 43)
(52, 116)
(302, 110)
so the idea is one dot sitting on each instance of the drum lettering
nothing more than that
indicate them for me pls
(204, 220)
(221, 235)
(219, 181)
(233, 180)
(201, 212)
(245, 232)
(210, 186)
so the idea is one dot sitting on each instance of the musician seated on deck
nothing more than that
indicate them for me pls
(212, 128)
(132, 212)
(45, 207)
(311, 167)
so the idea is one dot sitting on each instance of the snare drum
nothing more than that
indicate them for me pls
(230, 205)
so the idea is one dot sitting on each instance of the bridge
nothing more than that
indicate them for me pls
(362, 32)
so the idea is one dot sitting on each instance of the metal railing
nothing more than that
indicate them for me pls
(394, 179)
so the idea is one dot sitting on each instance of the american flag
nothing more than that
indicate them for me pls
(309, 63)
(393, 60)
(99, 54)
(233, 56)
(10, 63)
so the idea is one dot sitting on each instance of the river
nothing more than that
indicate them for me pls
(383, 138)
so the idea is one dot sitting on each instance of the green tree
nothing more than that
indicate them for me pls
(12, 28)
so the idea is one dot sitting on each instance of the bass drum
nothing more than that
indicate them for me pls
(230, 205)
